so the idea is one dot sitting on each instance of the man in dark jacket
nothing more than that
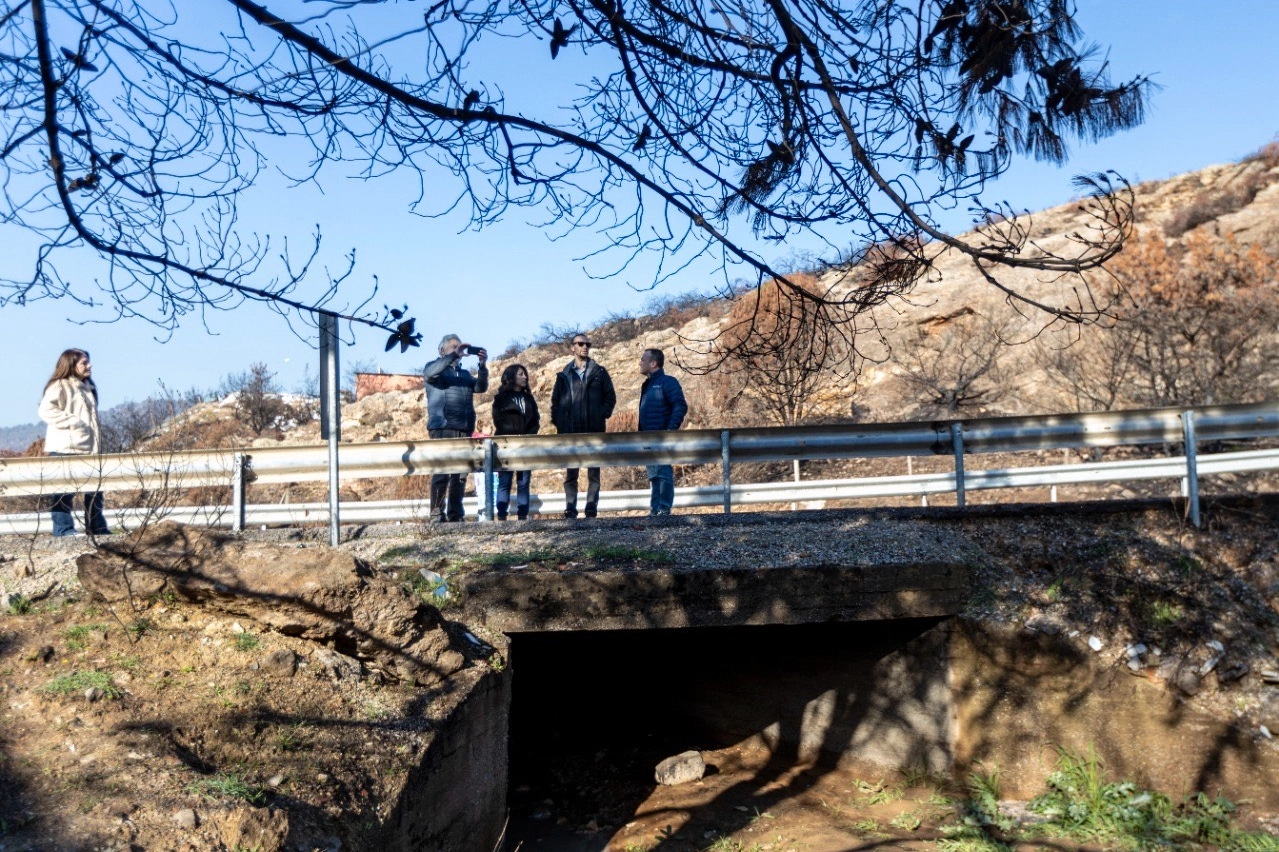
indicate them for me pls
(450, 413)
(662, 408)
(582, 401)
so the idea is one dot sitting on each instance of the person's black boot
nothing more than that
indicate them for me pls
(501, 511)
(522, 513)
(590, 510)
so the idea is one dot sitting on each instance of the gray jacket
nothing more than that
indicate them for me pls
(450, 392)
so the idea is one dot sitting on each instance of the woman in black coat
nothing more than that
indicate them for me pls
(514, 413)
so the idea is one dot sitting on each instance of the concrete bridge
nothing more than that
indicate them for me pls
(714, 571)
(826, 637)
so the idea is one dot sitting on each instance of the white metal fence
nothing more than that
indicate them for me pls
(163, 475)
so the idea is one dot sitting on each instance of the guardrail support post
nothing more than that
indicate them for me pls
(490, 459)
(957, 440)
(331, 413)
(239, 484)
(1192, 465)
(725, 461)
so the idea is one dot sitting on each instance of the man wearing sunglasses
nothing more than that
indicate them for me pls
(582, 401)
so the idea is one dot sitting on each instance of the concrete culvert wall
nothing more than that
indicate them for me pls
(593, 713)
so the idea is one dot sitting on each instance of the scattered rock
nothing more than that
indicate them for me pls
(1094, 643)
(1045, 624)
(1187, 681)
(681, 769)
(92, 694)
(263, 829)
(1180, 674)
(1269, 711)
(1232, 671)
(339, 666)
(1136, 656)
(186, 819)
(281, 663)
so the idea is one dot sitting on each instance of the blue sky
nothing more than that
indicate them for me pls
(1219, 102)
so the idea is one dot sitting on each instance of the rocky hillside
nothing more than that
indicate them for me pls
(1239, 200)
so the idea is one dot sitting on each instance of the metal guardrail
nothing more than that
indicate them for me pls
(804, 492)
(162, 471)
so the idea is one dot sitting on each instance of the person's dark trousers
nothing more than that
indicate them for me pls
(522, 478)
(592, 491)
(447, 488)
(62, 505)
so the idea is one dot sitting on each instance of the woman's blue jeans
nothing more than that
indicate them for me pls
(62, 505)
(522, 479)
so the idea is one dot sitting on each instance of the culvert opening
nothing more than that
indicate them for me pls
(592, 713)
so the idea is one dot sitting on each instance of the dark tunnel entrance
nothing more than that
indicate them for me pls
(592, 713)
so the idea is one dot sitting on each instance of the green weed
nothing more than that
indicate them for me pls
(908, 821)
(292, 738)
(130, 663)
(877, 793)
(139, 627)
(626, 553)
(975, 843)
(979, 817)
(230, 785)
(398, 552)
(1054, 592)
(867, 827)
(504, 560)
(76, 635)
(78, 681)
(921, 776)
(245, 641)
(1188, 566)
(1082, 804)
(1165, 613)
(19, 604)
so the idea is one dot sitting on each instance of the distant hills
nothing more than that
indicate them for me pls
(18, 438)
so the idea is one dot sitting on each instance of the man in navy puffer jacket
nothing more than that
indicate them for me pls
(450, 413)
(662, 407)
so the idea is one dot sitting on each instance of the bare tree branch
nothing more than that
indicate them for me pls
(134, 131)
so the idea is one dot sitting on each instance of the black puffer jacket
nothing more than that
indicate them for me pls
(582, 404)
(449, 394)
(510, 419)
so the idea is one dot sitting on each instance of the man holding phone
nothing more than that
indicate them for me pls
(450, 413)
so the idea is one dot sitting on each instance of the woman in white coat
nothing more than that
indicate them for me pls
(70, 407)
